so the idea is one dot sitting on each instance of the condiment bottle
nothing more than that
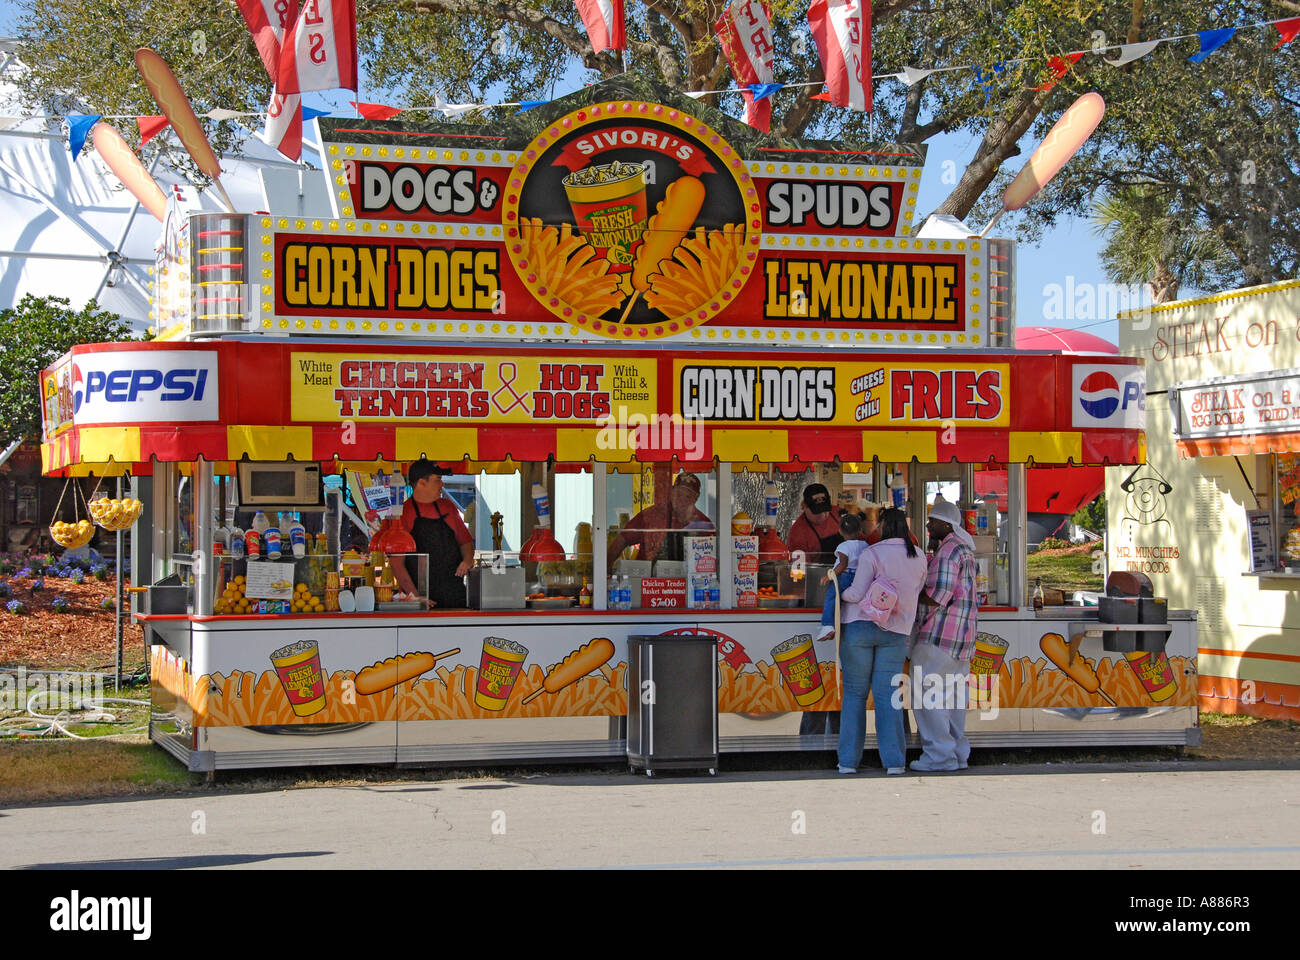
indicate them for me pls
(584, 596)
(1038, 594)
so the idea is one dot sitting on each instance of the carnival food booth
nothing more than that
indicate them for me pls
(578, 312)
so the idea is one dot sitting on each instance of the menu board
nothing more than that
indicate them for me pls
(1263, 552)
(267, 580)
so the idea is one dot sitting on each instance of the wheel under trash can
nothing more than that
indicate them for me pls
(672, 713)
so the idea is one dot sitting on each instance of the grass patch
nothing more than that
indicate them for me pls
(1067, 571)
(38, 772)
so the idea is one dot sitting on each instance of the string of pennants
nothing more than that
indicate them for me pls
(749, 64)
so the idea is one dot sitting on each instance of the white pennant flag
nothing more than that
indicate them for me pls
(1133, 51)
(911, 75)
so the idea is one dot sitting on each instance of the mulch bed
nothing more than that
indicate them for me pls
(79, 639)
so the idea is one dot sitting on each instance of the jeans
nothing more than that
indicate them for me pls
(871, 659)
(845, 579)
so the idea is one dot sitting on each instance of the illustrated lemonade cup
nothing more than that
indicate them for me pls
(990, 651)
(609, 203)
(298, 667)
(799, 669)
(498, 671)
(1155, 672)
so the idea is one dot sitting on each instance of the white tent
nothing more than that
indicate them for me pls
(70, 229)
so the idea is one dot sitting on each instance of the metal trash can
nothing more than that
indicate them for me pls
(672, 712)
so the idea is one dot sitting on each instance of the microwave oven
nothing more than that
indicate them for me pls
(279, 485)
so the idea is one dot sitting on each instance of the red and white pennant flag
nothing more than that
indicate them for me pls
(604, 22)
(267, 21)
(320, 48)
(842, 31)
(745, 32)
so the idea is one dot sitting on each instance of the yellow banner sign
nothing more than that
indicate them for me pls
(865, 395)
(330, 387)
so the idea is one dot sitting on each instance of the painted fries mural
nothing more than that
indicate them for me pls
(547, 671)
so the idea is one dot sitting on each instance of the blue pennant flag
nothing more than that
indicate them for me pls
(986, 80)
(311, 113)
(78, 129)
(526, 105)
(762, 91)
(1211, 40)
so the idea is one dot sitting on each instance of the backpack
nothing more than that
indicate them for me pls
(879, 603)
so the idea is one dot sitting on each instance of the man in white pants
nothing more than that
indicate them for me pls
(945, 642)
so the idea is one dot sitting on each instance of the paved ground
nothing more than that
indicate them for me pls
(1046, 817)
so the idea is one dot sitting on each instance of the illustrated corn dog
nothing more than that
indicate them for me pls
(395, 670)
(664, 232)
(1077, 668)
(121, 159)
(588, 657)
(176, 107)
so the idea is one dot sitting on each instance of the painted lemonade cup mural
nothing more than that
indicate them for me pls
(609, 203)
(797, 661)
(298, 667)
(990, 651)
(1155, 673)
(498, 672)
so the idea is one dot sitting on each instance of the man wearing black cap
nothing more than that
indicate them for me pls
(657, 528)
(434, 523)
(816, 531)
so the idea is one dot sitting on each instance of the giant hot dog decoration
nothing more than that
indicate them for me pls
(590, 656)
(176, 107)
(1062, 142)
(121, 159)
(1072, 664)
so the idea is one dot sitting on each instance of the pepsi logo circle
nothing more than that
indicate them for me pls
(77, 388)
(1099, 394)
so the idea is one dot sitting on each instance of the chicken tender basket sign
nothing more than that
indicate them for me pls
(626, 219)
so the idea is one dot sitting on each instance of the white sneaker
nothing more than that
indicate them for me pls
(847, 770)
(925, 766)
(895, 771)
(826, 634)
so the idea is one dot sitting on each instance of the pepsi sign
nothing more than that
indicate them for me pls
(136, 386)
(1111, 396)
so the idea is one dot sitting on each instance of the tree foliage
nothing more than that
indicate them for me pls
(1218, 138)
(32, 336)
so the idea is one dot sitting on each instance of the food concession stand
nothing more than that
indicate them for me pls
(621, 286)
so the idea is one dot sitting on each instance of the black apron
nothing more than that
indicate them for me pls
(434, 536)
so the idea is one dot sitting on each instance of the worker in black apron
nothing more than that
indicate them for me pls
(435, 524)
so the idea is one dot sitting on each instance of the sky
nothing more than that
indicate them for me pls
(1061, 276)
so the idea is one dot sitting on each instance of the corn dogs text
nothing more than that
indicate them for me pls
(1080, 669)
(590, 656)
(673, 218)
(395, 670)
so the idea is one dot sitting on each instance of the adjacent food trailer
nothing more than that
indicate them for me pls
(571, 310)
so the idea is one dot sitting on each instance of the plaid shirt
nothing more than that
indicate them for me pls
(950, 583)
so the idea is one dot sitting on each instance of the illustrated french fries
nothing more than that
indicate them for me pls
(696, 271)
(566, 266)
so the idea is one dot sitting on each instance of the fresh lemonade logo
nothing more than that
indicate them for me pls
(76, 913)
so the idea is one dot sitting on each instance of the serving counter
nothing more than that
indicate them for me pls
(299, 690)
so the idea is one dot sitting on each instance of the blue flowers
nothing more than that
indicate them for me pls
(38, 584)
(61, 605)
(16, 607)
(108, 603)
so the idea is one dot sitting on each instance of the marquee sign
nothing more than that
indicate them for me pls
(622, 213)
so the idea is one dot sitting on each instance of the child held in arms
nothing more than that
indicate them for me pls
(852, 530)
